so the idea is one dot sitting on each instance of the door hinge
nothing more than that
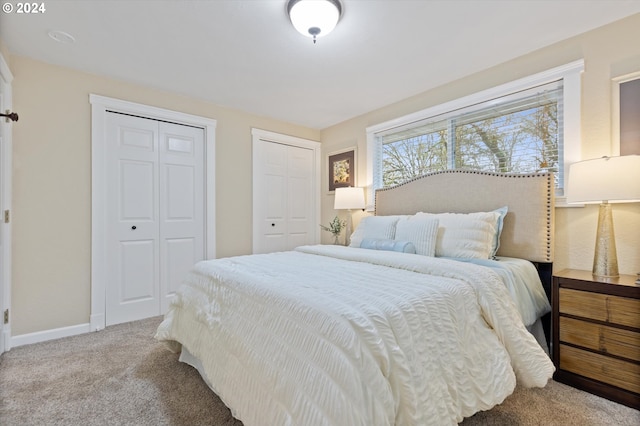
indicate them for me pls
(7, 216)
(6, 316)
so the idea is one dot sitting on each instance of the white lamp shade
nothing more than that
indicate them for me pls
(612, 179)
(314, 18)
(349, 198)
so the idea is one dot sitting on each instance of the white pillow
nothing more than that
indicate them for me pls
(374, 227)
(420, 231)
(470, 235)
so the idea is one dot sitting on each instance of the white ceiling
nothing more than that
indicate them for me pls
(245, 54)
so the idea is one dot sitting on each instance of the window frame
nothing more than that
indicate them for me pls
(570, 74)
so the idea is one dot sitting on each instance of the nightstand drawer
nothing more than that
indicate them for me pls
(596, 334)
(599, 337)
(601, 307)
(622, 374)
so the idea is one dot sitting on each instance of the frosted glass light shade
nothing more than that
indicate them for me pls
(314, 18)
(612, 179)
(349, 198)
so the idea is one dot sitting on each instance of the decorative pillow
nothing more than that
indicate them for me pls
(376, 227)
(500, 224)
(465, 235)
(389, 245)
(420, 231)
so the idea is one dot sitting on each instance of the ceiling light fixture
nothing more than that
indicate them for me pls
(314, 18)
(61, 37)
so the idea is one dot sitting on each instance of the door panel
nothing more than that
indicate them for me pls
(3, 226)
(284, 192)
(181, 205)
(272, 197)
(137, 139)
(180, 201)
(180, 254)
(136, 190)
(133, 246)
(157, 219)
(6, 150)
(138, 275)
(299, 202)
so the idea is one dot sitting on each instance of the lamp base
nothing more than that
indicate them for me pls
(605, 259)
(347, 237)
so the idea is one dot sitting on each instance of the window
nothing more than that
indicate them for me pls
(520, 127)
(629, 113)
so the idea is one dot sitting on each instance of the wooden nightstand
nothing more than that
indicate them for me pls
(596, 334)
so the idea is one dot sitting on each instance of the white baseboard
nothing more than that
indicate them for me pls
(5, 337)
(43, 336)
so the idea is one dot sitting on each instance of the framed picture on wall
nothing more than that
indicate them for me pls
(341, 168)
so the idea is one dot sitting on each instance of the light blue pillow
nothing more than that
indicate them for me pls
(500, 224)
(388, 245)
(376, 227)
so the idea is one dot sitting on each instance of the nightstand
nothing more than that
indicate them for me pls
(596, 334)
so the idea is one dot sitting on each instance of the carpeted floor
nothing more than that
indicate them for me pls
(122, 376)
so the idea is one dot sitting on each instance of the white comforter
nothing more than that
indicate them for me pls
(332, 335)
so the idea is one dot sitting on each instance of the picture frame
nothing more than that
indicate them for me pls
(341, 169)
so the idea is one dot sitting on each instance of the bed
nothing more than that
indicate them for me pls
(398, 333)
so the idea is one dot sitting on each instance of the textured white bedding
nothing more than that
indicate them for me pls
(331, 335)
(522, 281)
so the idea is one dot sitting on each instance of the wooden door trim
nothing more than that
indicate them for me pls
(100, 105)
(267, 136)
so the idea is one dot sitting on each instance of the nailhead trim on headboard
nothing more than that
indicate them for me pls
(548, 202)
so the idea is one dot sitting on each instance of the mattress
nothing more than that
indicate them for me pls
(332, 335)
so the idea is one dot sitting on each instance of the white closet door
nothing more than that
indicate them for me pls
(284, 196)
(181, 205)
(300, 222)
(271, 170)
(133, 224)
(155, 196)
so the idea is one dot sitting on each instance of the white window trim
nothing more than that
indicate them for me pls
(570, 74)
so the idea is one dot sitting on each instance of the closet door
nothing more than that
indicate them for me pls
(181, 205)
(300, 197)
(284, 200)
(133, 252)
(155, 213)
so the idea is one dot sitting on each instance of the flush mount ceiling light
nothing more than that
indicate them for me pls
(61, 37)
(314, 18)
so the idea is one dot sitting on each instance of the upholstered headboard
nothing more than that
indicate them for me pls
(528, 225)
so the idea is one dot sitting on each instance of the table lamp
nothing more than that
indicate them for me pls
(349, 198)
(605, 180)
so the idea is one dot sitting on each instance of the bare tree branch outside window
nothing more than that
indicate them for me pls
(519, 141)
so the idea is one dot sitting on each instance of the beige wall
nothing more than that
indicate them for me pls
(52, 166)
(5, 53)
(608, 52)
(52, 186)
